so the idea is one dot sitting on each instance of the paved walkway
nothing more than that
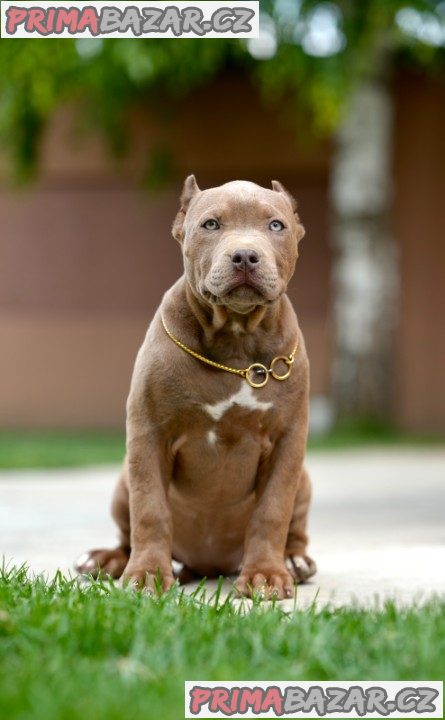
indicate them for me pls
(377, 523)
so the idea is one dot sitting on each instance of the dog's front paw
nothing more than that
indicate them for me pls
(267, 582)
(153, 578)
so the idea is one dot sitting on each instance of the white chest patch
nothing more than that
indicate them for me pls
(212, 437)
(245, 397)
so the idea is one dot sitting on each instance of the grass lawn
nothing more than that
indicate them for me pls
(69, 652)
(52, 449)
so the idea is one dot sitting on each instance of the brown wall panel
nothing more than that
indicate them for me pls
(419, 224)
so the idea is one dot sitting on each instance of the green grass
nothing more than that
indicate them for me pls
(369, 433)
(52, 449)
(72, 652)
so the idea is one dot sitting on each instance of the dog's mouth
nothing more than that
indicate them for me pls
(239, 296)
(243, 280)
(241, 290)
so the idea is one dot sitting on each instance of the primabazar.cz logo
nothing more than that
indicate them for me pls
(304, 699)
(91, 19)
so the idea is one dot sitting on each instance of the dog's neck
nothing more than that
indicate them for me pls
(217, 318)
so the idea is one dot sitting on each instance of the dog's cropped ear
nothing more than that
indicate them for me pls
(279, 188)
(189, 191)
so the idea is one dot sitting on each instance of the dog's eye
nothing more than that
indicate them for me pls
(211, 224)
(276, 226)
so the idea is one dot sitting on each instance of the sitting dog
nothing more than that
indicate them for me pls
(218, 407)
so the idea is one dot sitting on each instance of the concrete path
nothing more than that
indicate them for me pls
(377, 523)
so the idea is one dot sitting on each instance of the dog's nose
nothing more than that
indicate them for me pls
(245, 259)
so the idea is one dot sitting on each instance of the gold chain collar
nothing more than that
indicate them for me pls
(257, 374)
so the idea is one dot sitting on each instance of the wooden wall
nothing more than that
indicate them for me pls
(419, 226)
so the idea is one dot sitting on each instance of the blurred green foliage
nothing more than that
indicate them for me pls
(107, 77)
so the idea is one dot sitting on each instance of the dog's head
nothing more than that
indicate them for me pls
(240, 242)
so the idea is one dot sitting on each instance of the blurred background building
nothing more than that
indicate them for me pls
(342, 102)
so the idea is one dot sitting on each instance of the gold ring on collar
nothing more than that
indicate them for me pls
(259, 370)
(288, 361)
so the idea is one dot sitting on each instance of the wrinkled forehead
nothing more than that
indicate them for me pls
(241, 200)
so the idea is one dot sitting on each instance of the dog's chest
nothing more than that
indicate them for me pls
(243, 420)
(243, 416)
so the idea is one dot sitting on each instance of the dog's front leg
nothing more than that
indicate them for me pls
(150, 517)
(263, 569)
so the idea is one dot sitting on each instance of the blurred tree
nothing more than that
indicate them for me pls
(329, 60)
(365, 269)
(365, 272)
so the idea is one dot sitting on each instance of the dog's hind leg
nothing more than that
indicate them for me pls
(112, 561)
(300, 565)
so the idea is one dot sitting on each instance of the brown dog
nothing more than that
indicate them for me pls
(214, 474)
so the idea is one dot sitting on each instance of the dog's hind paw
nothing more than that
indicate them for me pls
(103, 562)
(301, 567)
